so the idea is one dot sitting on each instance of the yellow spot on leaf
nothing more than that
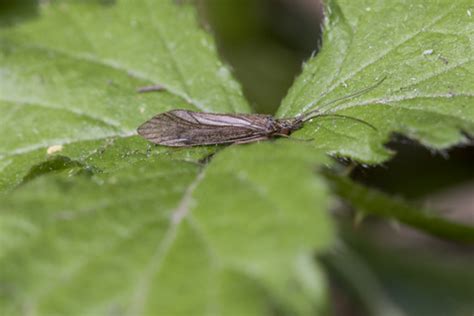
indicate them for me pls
(54, 149)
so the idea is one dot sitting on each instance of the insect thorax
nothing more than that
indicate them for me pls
(286, 126)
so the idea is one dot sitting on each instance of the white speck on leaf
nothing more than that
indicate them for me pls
(54, 149)
(427, 52)
(469, 13)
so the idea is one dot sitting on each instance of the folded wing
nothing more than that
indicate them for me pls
(181, 128)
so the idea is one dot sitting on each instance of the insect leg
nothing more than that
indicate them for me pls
(251, 140)
(295, 138)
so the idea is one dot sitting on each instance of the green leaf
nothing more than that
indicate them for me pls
(103, 223)
(277, 218)
(176, 239)
(425, 53)
(70, 76)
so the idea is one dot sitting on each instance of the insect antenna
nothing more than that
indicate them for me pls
(344, 117)
(317, 112)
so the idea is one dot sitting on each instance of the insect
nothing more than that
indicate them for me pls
(184, 128)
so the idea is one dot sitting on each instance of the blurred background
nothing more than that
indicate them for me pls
(265, 42)
(380, 267)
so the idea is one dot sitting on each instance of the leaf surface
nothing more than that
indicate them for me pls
(70, 76)
(176, 238)
(425, 53)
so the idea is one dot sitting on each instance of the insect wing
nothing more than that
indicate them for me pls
(181, 128)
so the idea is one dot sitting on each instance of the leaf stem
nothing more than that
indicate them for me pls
(371, 201)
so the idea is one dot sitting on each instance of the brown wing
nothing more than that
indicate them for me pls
(181, 128)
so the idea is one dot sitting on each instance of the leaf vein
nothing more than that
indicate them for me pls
(113, 64)
(398, 106)
(141, 292)
(382, 55)
(63, 141)
(105, 121)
